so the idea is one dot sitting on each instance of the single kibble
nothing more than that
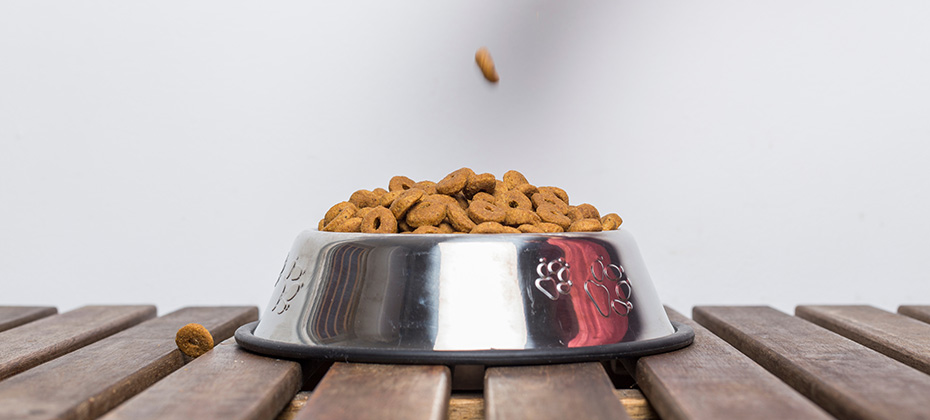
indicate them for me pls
(388, 199)
(429, 187)
(379, 220)
(400, 183)
(549, 213)
(427, 229)
(353, 224)
(550, 227)
(517, 217)
(459, 219)
(513, 178)
(480, 183)
(483, 196)
(541, 198)
(483, 211)
(486, 64)
(364, 198)
(530, 229)
(379, 191)
(515, 200)
(527, 189)
(405, 201)
(611, 221)
(335, 224)
(426, 213)
(446, 228)
(488, 227)
(454, 182)
(589, 211)
(193, 340)
(338, 208)
(557, 191)
(586, 225)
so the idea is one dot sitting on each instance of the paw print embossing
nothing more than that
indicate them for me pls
(554, 278)
(605, 301)
(290, 275)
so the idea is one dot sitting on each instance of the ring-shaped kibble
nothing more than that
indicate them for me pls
(480, 183)
(379, 220)
(404, 201)
(193, 340)
(530, 229)
(589, 211)
(586, 225)
(336, 209)
(550, 227)
(454, 182)
(427, 229)
(429, 187)
(483, 211)
(517, 217)
(459, 219)
(379, 191)
(364, 198)
(557, 191)
(541, 198)
(352, 224)
(515, 200)
(488, 227)
(574, 214)
(513, 178)
(400, 183)
(551, 214)
(426, 213)
(363, 211)
(441, 198)
(387, 199)
(342, 217)
(527, 189)
(611, 221)
(483, 196)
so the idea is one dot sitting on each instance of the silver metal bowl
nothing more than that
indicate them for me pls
(464, 299)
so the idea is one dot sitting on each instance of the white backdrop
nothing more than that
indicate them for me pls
(169, 152)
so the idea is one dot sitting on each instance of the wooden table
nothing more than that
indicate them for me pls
(120, 362)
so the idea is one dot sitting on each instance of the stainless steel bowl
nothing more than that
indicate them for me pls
(464, 299)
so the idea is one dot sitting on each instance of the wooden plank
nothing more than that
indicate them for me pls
(580, 390)
(918, 312)
(636, 404)
(48, 338)
(370, 391)
(846, 379)
(712, 380)
(14, 316)
(251, 386)
(904, 339)
(88, 382)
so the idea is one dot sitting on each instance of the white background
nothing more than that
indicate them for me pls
(169, 152)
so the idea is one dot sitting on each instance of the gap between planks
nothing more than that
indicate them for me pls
(470, 406)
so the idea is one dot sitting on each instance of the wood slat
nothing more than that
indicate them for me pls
(904, 339)
(580, 390)
(845, 378)
(225, 383)
(918, 312)
(48, 338)
(14, 316)
(371, 391)
(91, 380)
(712, 380)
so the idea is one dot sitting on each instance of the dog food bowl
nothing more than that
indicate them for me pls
(455, 299)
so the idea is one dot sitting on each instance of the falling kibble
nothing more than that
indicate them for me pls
(194, 340)
(486, 64)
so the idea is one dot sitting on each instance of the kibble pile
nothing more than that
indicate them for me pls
(465, 202)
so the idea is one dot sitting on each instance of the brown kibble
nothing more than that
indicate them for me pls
(321, 225)
(527, 189)
(338, 208)
(388, 199)
(586, 225)
(557, 191)
(589, 211)
(400, 183)
(611, 221)
(364, 198)
(343, 216)
(550, 227)
(483, 211)
(480, 183)
(446, 228)
(454, 182)
(379, 192)
(459, 219)
(549, 213)
(488, 227)
(193, 340)
(426, 213)
(403, 227)
(405, 201)
(362, 212)
(508, 229)
(541, 198)
(353, 224)
(514, 200)
(428, 187)
(530, 229)
(379, 220)
(441, 199)
(427, 229)
(463, 202)
(513, 178)
(517, 217)
(486, 64)
(483, 196)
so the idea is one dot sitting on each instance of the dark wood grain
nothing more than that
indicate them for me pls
(845, 378)
(904, 339)
(48, 338)
(88, 382)
(383, 392)
(918, 312)
(712, 380)
(225, 383)
(14, 316)
(580, 390)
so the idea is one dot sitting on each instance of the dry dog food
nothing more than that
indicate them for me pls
(486, 64)
(464, 202)
(194, 340)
